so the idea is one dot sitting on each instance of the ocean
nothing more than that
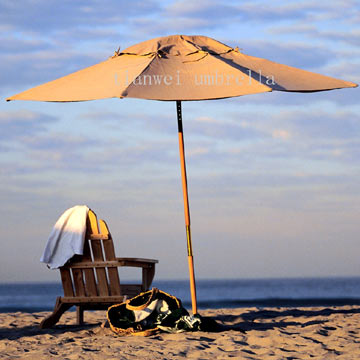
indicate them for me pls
(226, 293)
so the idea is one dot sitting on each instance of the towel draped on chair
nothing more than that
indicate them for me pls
(66, 238)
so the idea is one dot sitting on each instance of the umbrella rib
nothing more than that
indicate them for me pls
(209, 52)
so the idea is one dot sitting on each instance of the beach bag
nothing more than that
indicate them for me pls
(149, 313)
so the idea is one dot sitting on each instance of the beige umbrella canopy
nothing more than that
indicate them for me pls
(180, 68)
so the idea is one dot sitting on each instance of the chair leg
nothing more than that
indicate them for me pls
(147, 277)
(53, 318)
(79, 315)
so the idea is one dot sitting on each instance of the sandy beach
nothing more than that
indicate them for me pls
(245, 333)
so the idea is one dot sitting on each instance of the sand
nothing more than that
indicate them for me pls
(251, 333)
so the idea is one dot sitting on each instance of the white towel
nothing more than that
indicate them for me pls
(66, 238)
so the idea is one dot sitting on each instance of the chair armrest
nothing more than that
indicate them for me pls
(137, 262)
(148, 269)
(138, 259)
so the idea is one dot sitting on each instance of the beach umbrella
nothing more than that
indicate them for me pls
(180, 68)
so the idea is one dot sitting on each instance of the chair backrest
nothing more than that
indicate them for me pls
(92, 274)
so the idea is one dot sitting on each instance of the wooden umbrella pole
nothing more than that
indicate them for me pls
(186, 209)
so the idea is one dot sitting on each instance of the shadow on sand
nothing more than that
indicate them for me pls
(246, 322)
(15, 333)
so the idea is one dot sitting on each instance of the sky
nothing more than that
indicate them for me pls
(273, 178)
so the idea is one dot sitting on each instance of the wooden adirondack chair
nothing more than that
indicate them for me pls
(91, 281)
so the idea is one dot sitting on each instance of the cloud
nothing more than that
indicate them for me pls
(345, 70)
(351, 37)
(102, 115)
(292, 53)
(282, 124)
(322, 124)
(103, 37)
(48, 154)
(57, 141)
(284, 136)
(255, 11)
(170, 25)
(21, 46)
(196, 151)
(230, 130)
(20, 72)
(52, 16)
(194, 16)
(58, 152)
(278, 11)
(15, 125)
(148, 153)
(202, 10)
(33, 52)
(298, 10)
(281, 134)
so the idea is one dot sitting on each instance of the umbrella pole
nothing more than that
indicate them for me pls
(186, 209)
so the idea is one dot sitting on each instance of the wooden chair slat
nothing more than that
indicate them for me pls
(78, 282)
(66, 282)
(103, 287)
(109, 250)
(97, 250)
(108, 244)
(102, 282)
(114, 281)
(90, 281)
(100, 272)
